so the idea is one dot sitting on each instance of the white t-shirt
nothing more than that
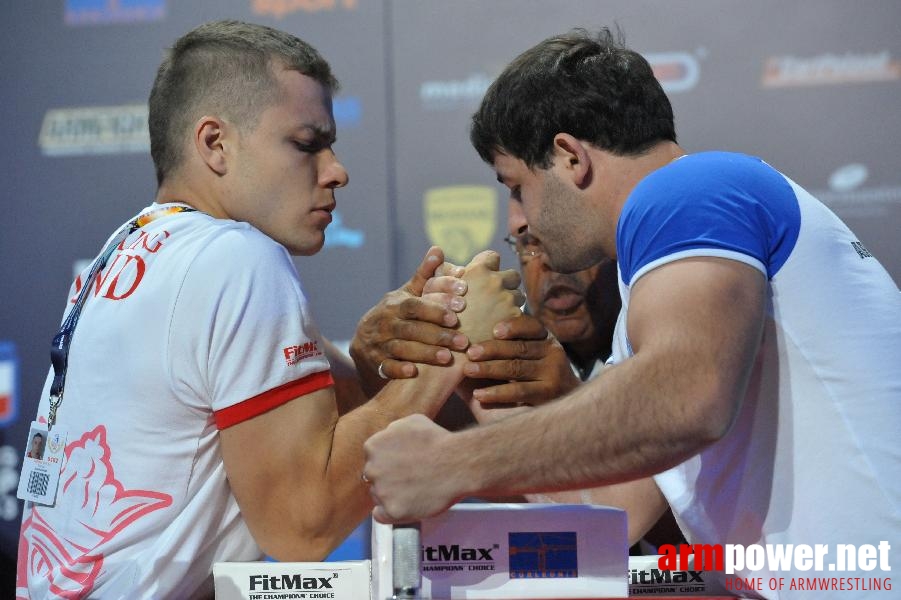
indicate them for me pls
(814, 455)
(196, 324)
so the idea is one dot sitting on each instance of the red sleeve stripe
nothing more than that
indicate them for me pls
(273, 398)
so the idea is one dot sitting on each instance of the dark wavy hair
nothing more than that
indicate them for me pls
(225, 68)
(589, 85)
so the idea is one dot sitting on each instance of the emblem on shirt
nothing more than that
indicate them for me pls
(295, 354)
(66, 545)
(861, 250)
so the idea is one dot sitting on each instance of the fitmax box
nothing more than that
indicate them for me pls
(343, 580)
(524, 551)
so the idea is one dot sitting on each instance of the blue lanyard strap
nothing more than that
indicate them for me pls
(59, 352)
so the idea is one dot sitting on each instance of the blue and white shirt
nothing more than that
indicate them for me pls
(814, 456)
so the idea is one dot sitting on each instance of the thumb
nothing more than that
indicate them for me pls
(433, 259)
(488, 259)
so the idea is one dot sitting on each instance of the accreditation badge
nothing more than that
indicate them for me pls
(42, 464)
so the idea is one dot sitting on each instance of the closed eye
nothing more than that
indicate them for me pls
(309, 148)
(319, 141)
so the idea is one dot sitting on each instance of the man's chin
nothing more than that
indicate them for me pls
(572, 263)
(567, 328)
(306, 249)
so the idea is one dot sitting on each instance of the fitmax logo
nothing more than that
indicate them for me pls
(267, 583)
(637, 576)
(295, 354)
(455, 553)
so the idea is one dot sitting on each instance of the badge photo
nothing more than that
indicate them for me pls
(42, 464)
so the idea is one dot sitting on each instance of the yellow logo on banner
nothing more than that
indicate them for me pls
(461, 219)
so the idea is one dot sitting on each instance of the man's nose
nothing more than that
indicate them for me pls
(516, 218)
(332, 173)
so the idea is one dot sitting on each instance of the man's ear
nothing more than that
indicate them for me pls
(571, 155)
(209, 142)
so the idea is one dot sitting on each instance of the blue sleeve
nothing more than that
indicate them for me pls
(709, 204)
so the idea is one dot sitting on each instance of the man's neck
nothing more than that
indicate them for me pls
(178, 191)
(625, 172)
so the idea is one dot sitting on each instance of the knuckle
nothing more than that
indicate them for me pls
(516, 392)
(516, 368)
(438, 285)
(406, 330)
(409, 307)
(525, 369)
(390, 350)
(445, 338)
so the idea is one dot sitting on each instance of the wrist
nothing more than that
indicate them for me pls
(461, 465)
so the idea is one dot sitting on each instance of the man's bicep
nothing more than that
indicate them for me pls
(698, 323)
(268, 457)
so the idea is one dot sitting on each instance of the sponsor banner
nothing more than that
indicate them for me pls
(9, 481)
(676, 71)
(100, 12)
(9, 381)
(830, 69)
(847, 192)
(338, 235)
(454, 94)
(80, 131)
(871, 201)
(281, 8)
(348, 111)
(461, 219)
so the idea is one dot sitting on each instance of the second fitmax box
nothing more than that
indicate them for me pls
(524, 551)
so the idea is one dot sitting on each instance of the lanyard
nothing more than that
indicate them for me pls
(59, 352)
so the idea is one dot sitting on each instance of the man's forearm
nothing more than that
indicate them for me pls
(597, 435)
(425, 394)
(317, 496)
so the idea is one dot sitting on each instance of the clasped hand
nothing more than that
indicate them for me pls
(510, 359)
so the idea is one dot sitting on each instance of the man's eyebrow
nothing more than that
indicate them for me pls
(324, 134)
